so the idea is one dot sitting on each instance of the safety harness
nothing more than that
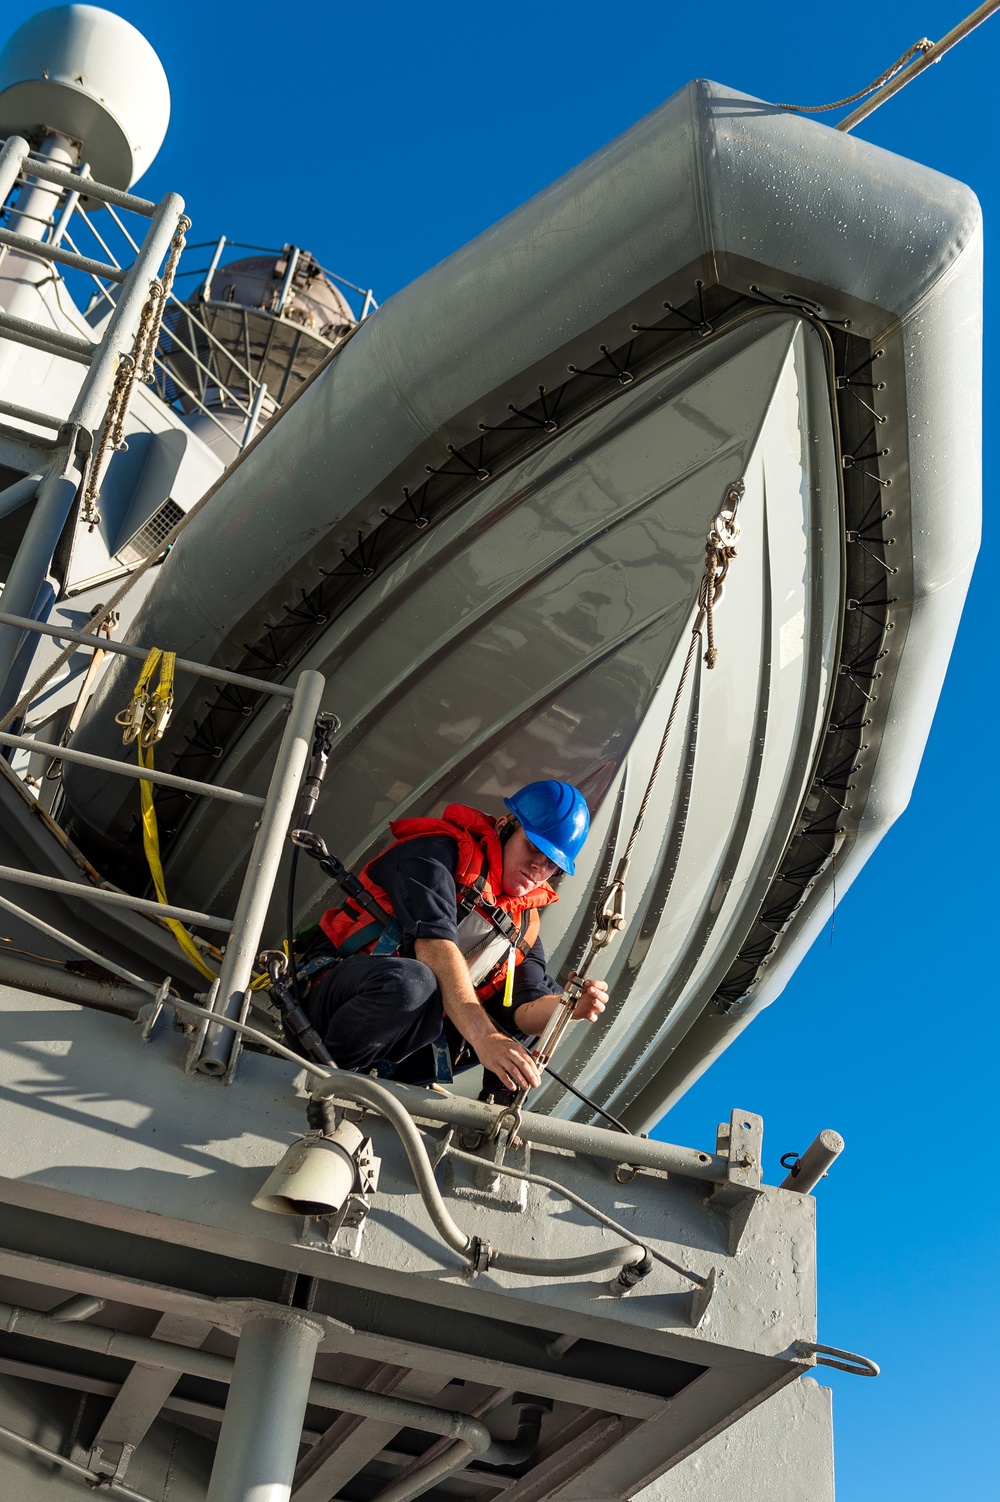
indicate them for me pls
(372, 928)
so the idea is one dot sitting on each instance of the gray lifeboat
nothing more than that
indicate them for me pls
(484, 520)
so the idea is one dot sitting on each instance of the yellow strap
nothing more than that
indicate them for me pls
(133, 716)
(158, 706)
(151, 845)
(508, 985)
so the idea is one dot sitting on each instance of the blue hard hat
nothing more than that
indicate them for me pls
(555, 818)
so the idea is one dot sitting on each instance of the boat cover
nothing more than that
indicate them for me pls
(485, 518)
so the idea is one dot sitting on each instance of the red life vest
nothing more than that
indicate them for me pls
(478, 885)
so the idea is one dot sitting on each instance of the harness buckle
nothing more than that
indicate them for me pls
(156, 718)
(132, 718)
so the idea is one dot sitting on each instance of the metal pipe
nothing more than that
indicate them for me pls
(365, 1091)
(64, 257)
(53, 504)
(65, 217)
(401, 1412)
(12, 158)
(213, 266)
(126, 649)
(67, 943)
(93, 395)
(262, 868)
(286, 286)
(806, 1172)
(442, 1458)
(22, 491)
(87, 186)
(79, 1306)
(53, 979)
(31, 414)
(547, 1131)
(37, 201)
(33, 341)
(91, 1478)
(932, 55)
(417, 1480)
(72, 343)
(113, 899)
(254, 417)
(262, 1428)
(126, 769)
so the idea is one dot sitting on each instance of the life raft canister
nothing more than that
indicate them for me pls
(478, 886)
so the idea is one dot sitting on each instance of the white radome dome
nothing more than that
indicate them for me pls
(90, 75)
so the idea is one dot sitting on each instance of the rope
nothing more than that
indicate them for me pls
(924, 45)
(138, 366)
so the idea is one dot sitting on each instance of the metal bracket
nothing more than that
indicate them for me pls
(150, 1015)
(740, 1141)
(489, 1187)
(230, 1074)
(341, 1233)
(701, 1297)
(98, 1460)
(200, 1029)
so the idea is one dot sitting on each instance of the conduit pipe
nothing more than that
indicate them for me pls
(90, 1478)
(364, 1091)
(54, 979)
(444, 1459)
(545, 1131)
(400, 1412)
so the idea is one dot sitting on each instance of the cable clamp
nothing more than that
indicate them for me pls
(480, 1254)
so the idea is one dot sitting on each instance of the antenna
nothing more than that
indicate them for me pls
(87, 76)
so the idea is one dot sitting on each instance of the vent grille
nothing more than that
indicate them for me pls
(149, 539)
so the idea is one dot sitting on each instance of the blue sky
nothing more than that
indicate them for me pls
(382, 138)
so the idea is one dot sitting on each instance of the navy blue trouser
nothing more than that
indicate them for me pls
(378, 1010)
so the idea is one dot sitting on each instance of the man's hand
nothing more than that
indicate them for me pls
(511, 1063)
(592, 1001)
(533, 1016)
(496, 1052)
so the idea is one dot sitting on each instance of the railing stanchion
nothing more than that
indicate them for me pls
(262, 870)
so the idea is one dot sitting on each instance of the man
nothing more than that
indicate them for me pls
(423, 994)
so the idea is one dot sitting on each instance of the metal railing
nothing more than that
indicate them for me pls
(186, 339)
(215, 1047)
(64, 460)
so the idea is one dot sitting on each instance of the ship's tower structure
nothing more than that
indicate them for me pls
(493, 504)
(231, 340)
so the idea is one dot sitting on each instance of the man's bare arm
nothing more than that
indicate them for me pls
(532, 1016)
(503, 1056)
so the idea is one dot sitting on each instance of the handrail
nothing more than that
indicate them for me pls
(125, 649)
(126, 769)
(40, 167)
(113, 899)
(47, 252)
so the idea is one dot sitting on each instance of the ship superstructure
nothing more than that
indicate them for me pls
(472, 531)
